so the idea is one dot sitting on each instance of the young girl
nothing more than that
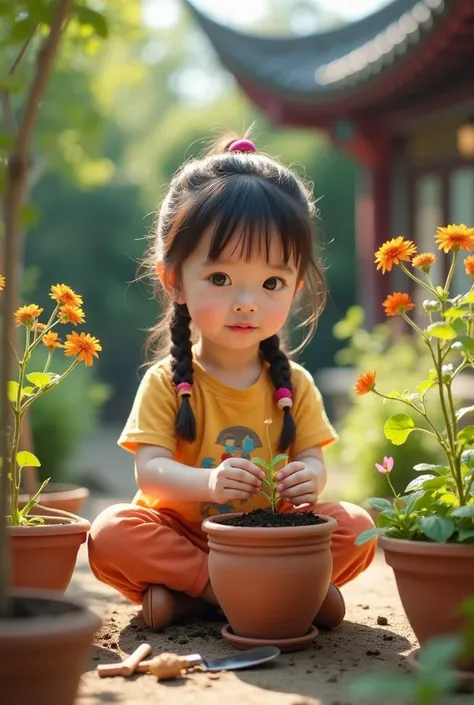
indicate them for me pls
(232, 250)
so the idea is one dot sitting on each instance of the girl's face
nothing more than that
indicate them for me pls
(234, 303)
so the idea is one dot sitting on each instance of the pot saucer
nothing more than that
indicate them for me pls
(465, 679)
(285, 645)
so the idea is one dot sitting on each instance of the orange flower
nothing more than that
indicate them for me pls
(396, 304)
(365, 383)
(455, 237)
(40, 326)
(83, 345)
(469, 265)
(64, 295)
(393, 252)
(2, 282)
(51, 340)
(71, 314)
(424, 261)
(26, 315)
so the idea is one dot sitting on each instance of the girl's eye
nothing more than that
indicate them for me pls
(220, 279)
(273, 283)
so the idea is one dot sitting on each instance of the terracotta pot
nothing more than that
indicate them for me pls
(68, 498)
(42, 656)
(44, 556)
(270, 582)
(433, 580)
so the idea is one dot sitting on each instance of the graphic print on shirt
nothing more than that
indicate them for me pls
(236, 442)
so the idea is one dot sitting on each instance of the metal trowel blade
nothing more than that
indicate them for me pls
(245, 659)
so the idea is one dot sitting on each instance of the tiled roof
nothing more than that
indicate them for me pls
(324, 64)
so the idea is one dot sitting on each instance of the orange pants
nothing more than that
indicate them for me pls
(132, 547)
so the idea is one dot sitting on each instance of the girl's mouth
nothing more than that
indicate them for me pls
(242, 328)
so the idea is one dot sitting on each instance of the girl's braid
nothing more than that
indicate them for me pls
(182, 370)
(280, 373)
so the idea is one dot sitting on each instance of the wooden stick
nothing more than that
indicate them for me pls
(127, 667)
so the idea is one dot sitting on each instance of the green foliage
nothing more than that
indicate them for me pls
(62, 417)
(399, 363)
(271, 469)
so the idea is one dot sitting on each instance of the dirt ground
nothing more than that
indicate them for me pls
(374, 637)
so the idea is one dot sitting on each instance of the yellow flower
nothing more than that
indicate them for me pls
(398, 303)
(2, 282)
(64, 295)
(26, 315)
(469, 265)
(424, 261)
(51, 340)
(40, 326)
(71, 314)
(365, 383)
(84, 345)
(393, 252)
(455, 237)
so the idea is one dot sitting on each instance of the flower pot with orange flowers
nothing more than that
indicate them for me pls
(427, 533)
(285, 557)
(44, 542)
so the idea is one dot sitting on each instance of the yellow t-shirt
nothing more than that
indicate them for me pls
(230, 422)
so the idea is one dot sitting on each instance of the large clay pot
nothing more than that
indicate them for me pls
(44, 648)
(66, 497)
(269, 582)
(44, 556)
(433, 580)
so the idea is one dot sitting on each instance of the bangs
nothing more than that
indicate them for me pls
(247, 213)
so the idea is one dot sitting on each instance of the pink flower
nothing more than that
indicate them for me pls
(386, 466)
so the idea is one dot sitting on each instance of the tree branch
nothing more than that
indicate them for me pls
(17, 174)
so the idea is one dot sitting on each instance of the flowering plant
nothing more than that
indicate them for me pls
(438, 505)
(270, 470)
(29, 386)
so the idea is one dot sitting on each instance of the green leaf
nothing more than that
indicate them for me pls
(31, 502)
(380, 685)
(463, 512)
(462, 412)
(12, 391)
(439, 652)
(87, 16)
(467, 458)
(380, 504)
(438, 529)
(418, 482)
(277, 459)
(467, 342)
(10, 84)
(454, 313)
(441, 330)
(397, 428)
(26, 459)
(423, 387)
(426, 467)
(466, 435)
(39, 379)
(27, 391)
(370, 534)
(260, 462)
(440, 291)
(469, 298)
(465, 534)
(449, 499)
(434, 484)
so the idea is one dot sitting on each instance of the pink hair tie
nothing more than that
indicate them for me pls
(242, 146)
(184, 389)
(284, 398)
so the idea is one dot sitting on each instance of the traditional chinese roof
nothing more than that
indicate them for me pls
(402, 51)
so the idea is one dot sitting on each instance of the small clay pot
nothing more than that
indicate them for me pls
(66, 497)
(44, 556)
(270, 582)
(44, 648)
(433, 580)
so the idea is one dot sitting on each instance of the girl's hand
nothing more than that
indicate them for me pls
(235, 478)
(298, 483)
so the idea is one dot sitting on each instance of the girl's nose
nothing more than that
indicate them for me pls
(244, 307)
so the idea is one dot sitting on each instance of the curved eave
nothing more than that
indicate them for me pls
(322, 71)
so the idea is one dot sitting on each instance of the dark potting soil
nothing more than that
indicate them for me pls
(32, 607)
(266, 518)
